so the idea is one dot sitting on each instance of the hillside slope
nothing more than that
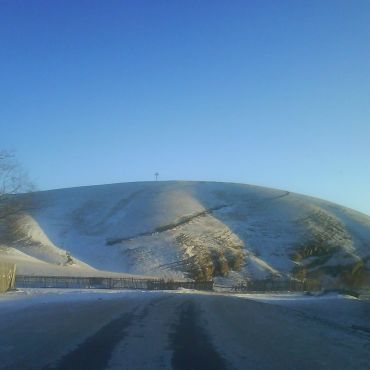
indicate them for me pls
(195, 229)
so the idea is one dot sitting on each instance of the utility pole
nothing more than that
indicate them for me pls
(156, 176)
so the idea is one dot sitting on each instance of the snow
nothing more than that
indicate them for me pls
(44, 326)
(22, 298)
(343, 310)
(267, 225)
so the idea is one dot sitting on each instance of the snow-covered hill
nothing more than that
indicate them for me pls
(194, 229)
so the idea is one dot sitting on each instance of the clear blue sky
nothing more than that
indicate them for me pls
(273, 93)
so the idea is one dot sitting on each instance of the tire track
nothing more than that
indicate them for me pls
(192, 348)
(95, 352)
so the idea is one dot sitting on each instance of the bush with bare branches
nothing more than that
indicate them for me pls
(15, 194)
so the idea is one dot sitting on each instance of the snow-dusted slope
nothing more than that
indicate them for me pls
(196, 229)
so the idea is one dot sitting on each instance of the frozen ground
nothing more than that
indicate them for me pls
(177, 228)
(60, 329)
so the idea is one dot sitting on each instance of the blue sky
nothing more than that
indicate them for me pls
(273, 93)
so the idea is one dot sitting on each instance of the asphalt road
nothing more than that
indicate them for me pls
(175, 331)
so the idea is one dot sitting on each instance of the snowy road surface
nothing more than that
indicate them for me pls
(163, 330)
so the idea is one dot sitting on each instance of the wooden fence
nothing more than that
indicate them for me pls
(278, 286)
(23, 281)
(7, 276)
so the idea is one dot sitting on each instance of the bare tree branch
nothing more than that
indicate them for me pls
(15, 193)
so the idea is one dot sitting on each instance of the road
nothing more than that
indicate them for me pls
(159, 330)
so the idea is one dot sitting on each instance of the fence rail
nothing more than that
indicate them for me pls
(24, 281)
(32, 281)
(278, 286)
(9, 280)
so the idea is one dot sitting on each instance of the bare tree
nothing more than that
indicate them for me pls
(15, 189)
